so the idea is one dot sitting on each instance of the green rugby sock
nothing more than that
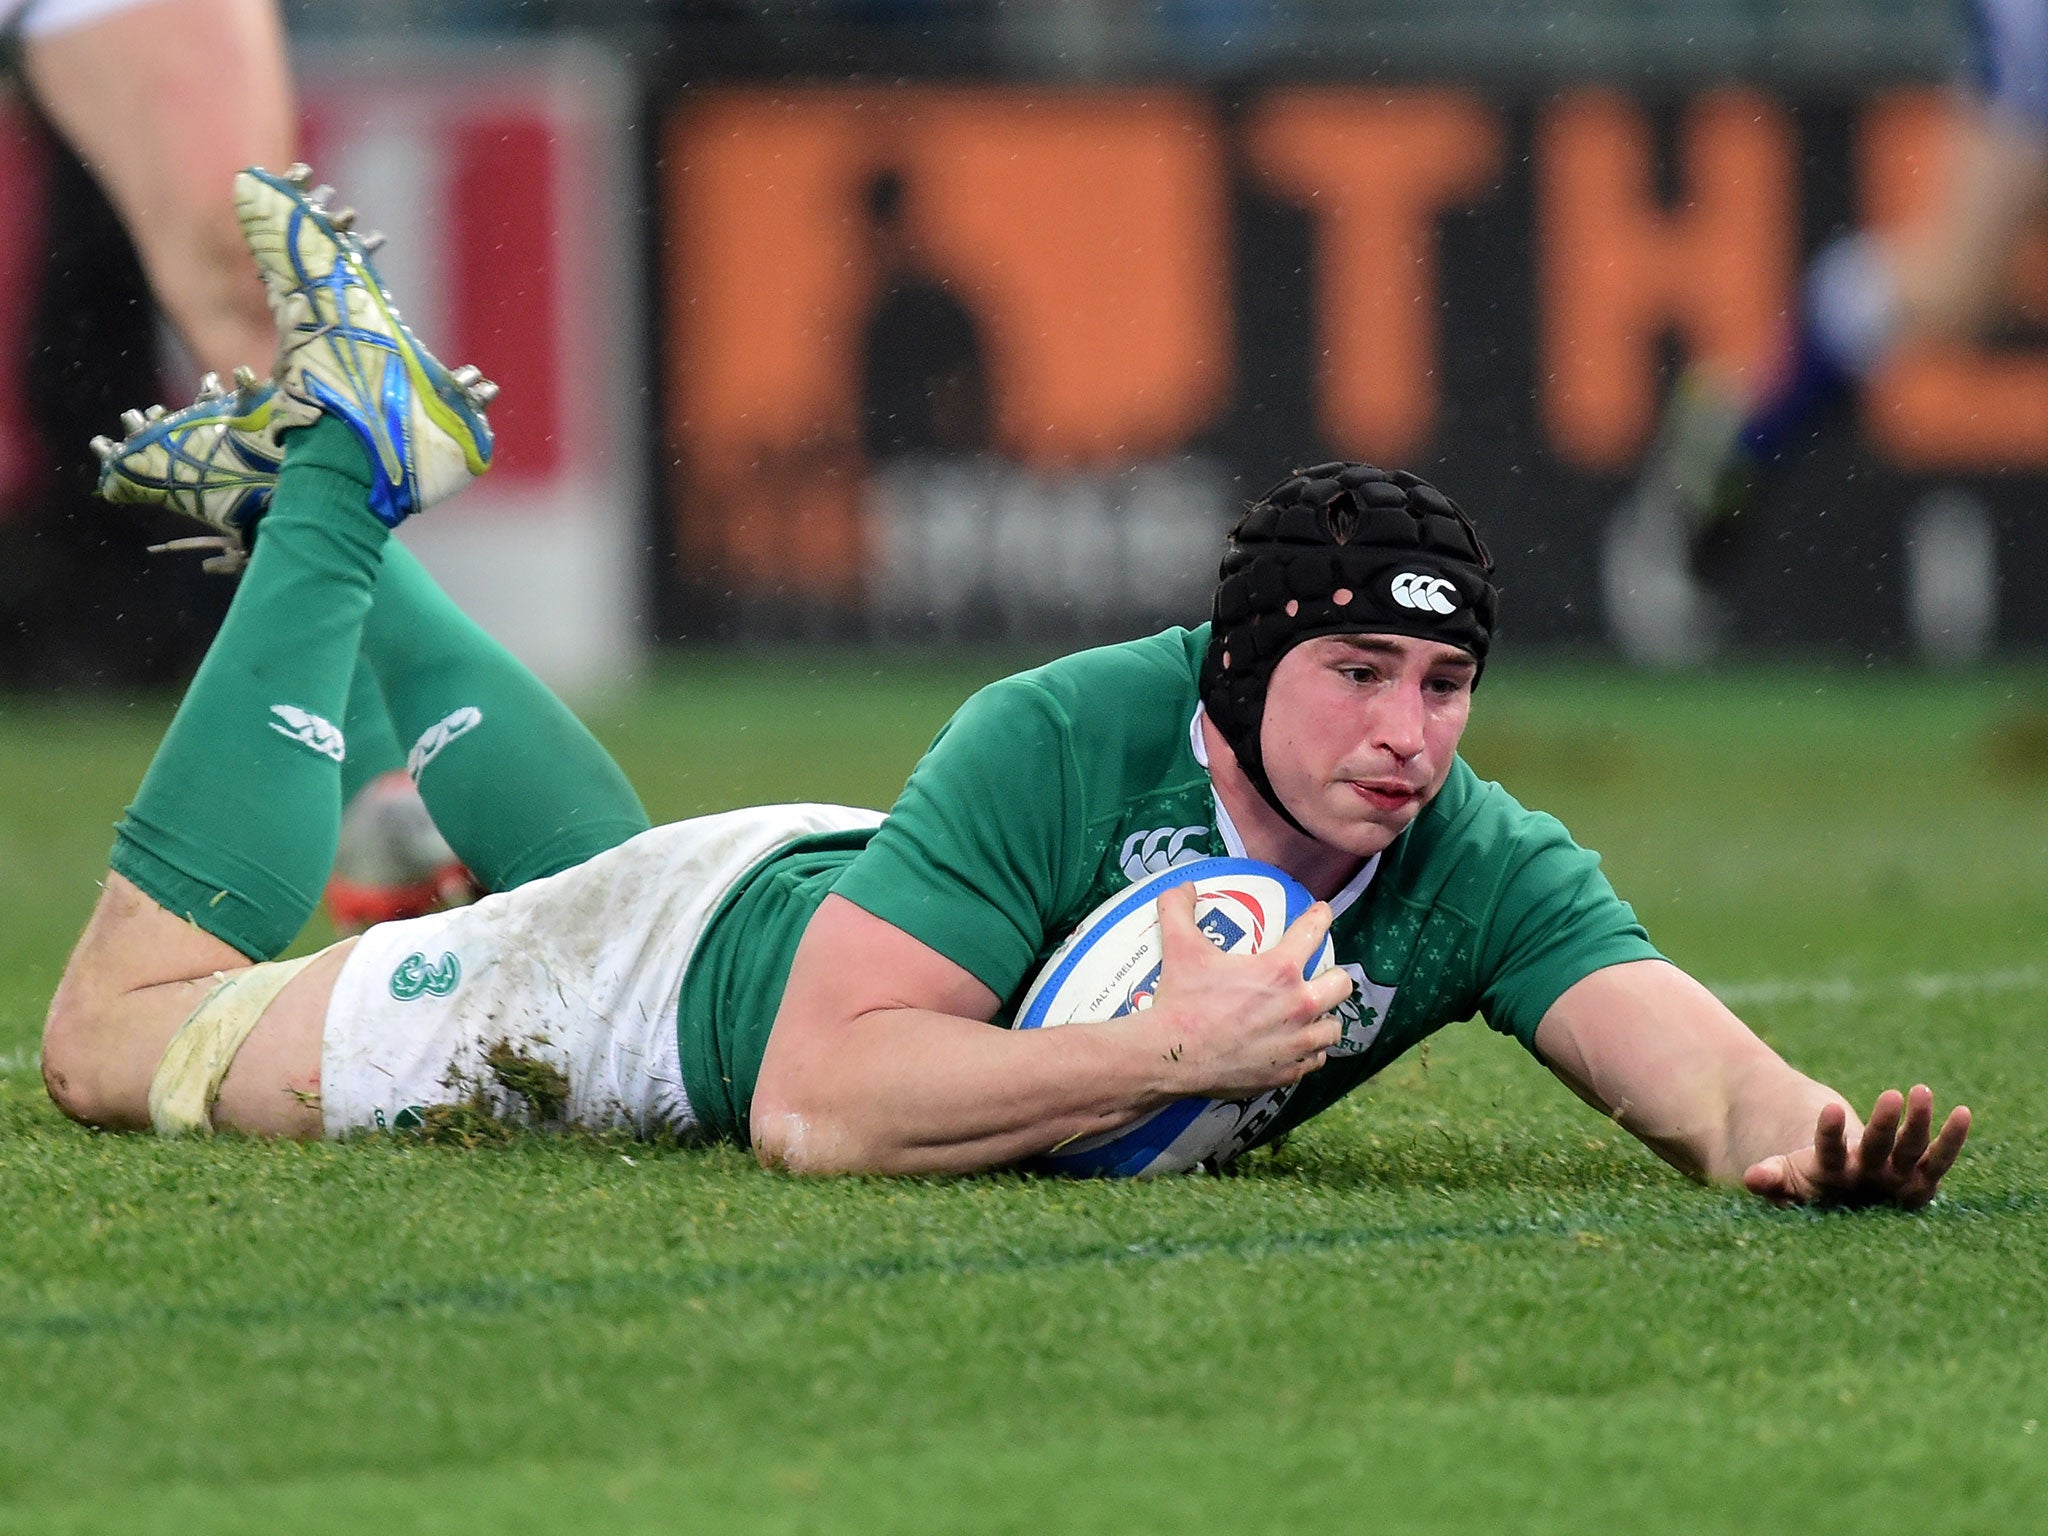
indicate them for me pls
(373, 746)
(515, 782)
(234, 826)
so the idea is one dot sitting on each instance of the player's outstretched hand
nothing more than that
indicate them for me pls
(1892, 1163)
(1233, 1026)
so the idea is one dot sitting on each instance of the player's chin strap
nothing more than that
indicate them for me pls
(196, 1062)
(1340, 549)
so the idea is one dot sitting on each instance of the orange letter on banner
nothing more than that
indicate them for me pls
(1378, 168)
(1084, 231)
(1952, 405)
(1089, 228)
(762, 269)
(1618, 269)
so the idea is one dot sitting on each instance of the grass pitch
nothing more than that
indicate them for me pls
(1459, 1302)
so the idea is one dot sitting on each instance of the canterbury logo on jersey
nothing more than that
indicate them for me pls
(1425, 594)
(1156, 851)
(1363, 1013)
(308, 730)
(456, 723)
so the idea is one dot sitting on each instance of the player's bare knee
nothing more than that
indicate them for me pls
(85, 1069)
(74, 1089)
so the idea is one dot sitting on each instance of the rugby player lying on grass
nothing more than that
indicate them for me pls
(820, 981)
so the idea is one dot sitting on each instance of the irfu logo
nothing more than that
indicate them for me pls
(1362, 1014)
(415, 977)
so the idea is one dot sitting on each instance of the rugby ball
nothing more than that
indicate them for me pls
(1109, 966)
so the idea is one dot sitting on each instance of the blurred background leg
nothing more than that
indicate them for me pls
(164, 102)
(82, 602)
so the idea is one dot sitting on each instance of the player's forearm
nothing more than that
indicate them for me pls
(1648, 1045)
(1716, 1137)
(1729, 1109)
(980, 1097)
(1713, 1119)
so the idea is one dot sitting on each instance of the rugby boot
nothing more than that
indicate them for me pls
(344, 353)
(1668, 542)
(215, 461)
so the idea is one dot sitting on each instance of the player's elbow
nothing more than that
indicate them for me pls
(810, 1112)
(783, 1139)
(796, 1142)
(803, 1132)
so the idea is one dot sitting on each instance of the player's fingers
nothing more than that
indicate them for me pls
(1941, 1157)
(1329, 989)
(1831, 1142)
(1179, 938)
(1325, 1032)
(1305, 935)
(1328, 1031)
(1924, 1182)
(1881, 1130)
(1774, 1180)
(1914, 1131)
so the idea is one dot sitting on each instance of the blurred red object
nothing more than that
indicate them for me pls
(392, 861)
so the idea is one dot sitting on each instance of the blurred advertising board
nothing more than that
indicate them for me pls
(505, 188)
(991, 360)
(21, 217)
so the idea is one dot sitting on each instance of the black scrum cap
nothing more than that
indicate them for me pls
(1340, 549)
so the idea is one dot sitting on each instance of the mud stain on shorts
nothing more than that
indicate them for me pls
(519, 1091)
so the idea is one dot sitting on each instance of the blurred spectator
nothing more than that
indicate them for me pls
(924, 371)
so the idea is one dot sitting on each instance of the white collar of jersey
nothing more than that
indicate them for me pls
(1233, 844)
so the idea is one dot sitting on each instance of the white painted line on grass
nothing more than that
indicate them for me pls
(1923, 987)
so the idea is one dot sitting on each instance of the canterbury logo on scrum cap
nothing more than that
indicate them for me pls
(1425, 594)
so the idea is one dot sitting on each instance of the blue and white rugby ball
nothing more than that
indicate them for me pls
(1109, 966)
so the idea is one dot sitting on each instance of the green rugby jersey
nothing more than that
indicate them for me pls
(1052, 790)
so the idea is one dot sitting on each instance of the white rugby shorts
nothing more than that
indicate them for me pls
(41, 18)
(579, 971)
